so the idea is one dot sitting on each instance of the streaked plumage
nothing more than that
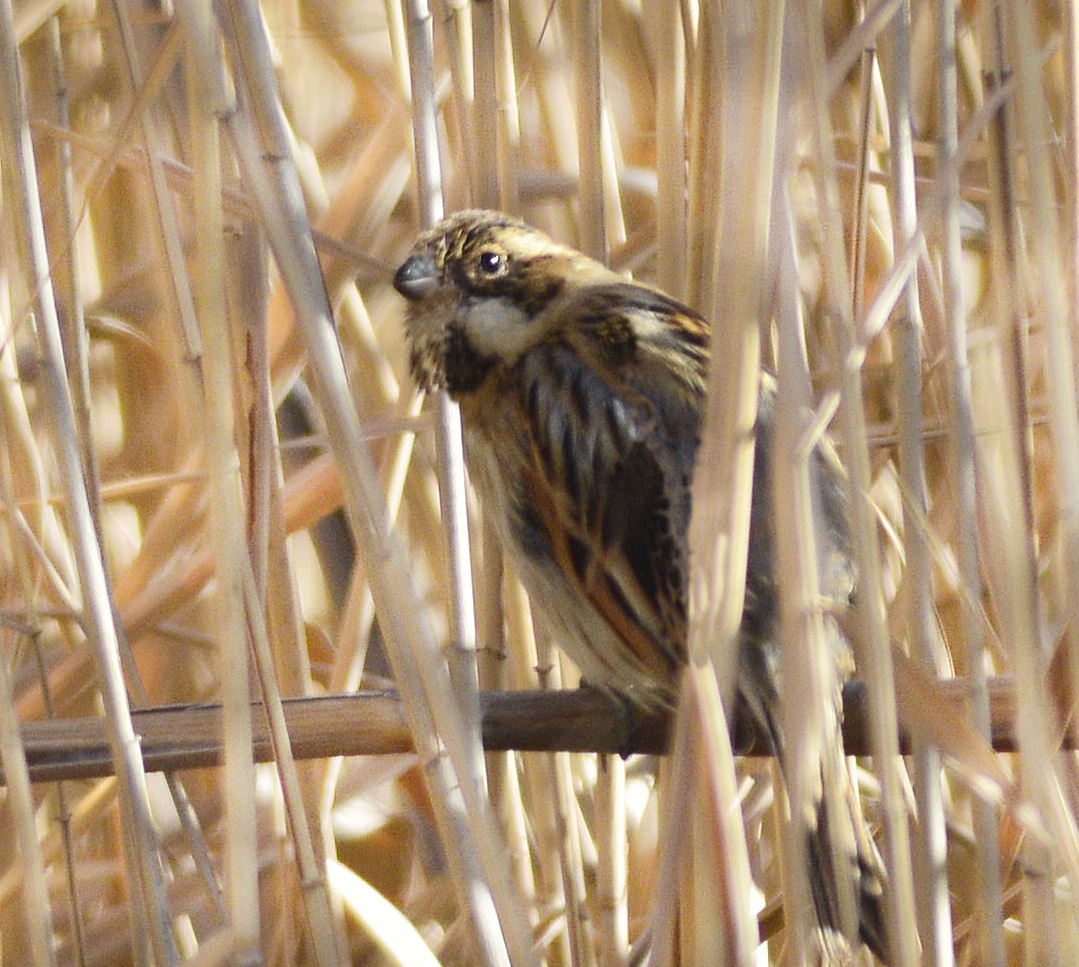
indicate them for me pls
(581, 398)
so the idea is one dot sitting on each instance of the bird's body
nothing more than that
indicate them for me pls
(581, 399)
(577, 422)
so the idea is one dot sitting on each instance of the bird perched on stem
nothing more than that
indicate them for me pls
(581, 397)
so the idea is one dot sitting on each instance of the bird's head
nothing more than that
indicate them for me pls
(478, 285)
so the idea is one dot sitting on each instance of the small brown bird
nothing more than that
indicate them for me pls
(581, 397)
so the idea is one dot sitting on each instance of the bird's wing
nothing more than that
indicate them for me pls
(612, 401)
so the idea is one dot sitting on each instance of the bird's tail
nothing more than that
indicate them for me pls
(840, 854)
(862, 868)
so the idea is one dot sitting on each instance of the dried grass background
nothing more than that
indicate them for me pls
(891, 189)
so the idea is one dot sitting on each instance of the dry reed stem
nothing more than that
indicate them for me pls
(1016, 592)
(746, 49)
(808, 717)
(140, 848)
(413, 651)
(226, 519)
(933, 910)
(35, 897)
(1060, 374)
(962, 455)
(671, 237)
(875, 659)
(514, 941)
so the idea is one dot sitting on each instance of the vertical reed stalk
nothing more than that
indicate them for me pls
(1016, 589)
(875, 660)
(148, 904)
(808, 715)
(35, 896)
(670, 71)
(227, 511)
(745, 45)
(934, 914)
(961, 439)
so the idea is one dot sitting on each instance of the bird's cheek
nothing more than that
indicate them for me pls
(497, 326)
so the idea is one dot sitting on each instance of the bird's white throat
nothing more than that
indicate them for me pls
(498, 327)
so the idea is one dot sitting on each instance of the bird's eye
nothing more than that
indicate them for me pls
(491, 263)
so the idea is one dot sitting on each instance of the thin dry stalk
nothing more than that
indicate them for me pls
(808, 715)
(461, 648)
(1060, 375)
(269, 591)
(312, 880)
(542, 795)
(227, 514)
(584, 20)
(551, 90)
(487, 42)
(448, 434)
(719, 527)
(875, 659)
(66, 269)
(716, 871)
(860, 232)
(1045, 236)
(148, 905)
(582, 944)
(934, 913)
(419, 673)
(961, 439)
(670, 72)
(35, 895)
(1015, 589)
(610, 830)
(463, 25)
(486, 187)
(162, 537)
(748, 46)
(509, 127)
(168, 237)
(554, 788)
(612, 931)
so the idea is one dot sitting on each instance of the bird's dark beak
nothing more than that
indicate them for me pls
(417, 277)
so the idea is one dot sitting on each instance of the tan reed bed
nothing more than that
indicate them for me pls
(202, 208)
